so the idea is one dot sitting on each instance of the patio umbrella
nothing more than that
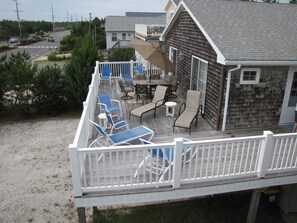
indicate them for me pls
(153, 53)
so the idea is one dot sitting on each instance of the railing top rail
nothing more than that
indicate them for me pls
(121, 148)
(284, 135)
(224, 140)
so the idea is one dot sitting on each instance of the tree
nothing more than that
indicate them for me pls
(48, 90)
(19, 74)
(79, 69)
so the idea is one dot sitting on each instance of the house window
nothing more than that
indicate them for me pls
(114, 37)
(250, 76)
(173, 55)
(124, 36)
(199, 77)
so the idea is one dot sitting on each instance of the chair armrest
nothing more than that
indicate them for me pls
(120, 122)
(101, 104)
(181, 108)
(157, 102)
(116, 101)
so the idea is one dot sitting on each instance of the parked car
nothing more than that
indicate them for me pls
(50, 39)
(13, 41)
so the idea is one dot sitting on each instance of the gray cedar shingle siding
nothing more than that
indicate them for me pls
(185, 36)
(258, 105)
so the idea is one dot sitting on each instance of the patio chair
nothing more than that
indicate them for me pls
(106, 104)
(158, 160)
(105, 74)
(173, 86)
(120, 138)
(116, 122)
(158, 100)
(126, 89)
(188, 111)
(125, 72)
(138, 70)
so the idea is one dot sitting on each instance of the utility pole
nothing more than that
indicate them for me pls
(67, 19)
(18, 16)
(90, 24)
(53, 18)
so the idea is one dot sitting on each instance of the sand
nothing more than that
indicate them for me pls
(35, 175)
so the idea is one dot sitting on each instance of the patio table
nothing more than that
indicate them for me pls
(151, 84)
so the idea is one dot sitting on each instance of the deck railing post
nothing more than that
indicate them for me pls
(177, 162)
(131, 67)
(74, 162)
(265, 153)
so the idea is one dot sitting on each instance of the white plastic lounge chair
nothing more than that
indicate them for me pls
(120, 138)
(116, 122)
(106, 104)
(159, 161)
(189, 112)
(105, 74)
(158, 100)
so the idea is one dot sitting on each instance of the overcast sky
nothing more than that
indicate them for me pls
(77, 9)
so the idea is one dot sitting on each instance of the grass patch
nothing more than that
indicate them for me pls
(220, 208)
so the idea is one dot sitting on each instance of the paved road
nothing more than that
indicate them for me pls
(41, 48)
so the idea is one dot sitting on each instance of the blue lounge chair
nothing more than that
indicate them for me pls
(105, 74)
(116, 122)
(159, 161)
(106, 104)
(125, 72)
(120, 138)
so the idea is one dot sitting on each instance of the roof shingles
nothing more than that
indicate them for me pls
(248, 30)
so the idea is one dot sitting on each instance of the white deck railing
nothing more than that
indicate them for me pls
(115, 67)
(114, 168)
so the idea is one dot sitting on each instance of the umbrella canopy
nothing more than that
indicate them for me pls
(154, 54)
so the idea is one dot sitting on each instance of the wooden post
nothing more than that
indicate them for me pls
(177, 163)
(81, 215)
(265, 153)
(95, 211)
(252, 215)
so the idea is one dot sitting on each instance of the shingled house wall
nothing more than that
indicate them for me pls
(250, 106)
(190, 41)
(257, 105)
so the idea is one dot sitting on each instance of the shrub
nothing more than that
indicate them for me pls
(52, 57)
(48, 90)
(78, 70)
(121, 55)
(19, 74)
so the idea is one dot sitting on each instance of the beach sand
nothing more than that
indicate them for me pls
(35, 174)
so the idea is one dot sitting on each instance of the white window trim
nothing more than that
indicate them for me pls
(258, 71)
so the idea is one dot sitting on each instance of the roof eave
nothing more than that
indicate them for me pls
(260, 63)
(182, 7)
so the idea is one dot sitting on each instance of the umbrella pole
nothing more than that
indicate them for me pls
(150, 72)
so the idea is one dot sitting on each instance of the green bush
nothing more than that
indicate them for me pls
(78, 70)
(121, 55)
(52, 57)
(19, 74)
(48, 90)
(3, 81)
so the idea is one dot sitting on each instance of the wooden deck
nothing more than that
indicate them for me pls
(162, 125)
(221, 162)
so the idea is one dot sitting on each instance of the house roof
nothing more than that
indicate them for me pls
(245, 31)
(127, 23)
